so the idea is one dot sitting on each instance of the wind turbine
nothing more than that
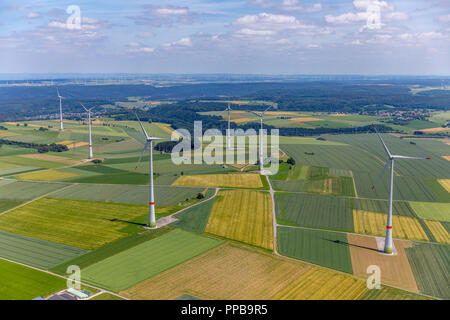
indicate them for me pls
(391, 159)
(61, 127)
(90, 131)
(261, 153)
(152, 216)
(229, 126)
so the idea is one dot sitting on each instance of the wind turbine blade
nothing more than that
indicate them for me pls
(407, 157)
(382, 141)
(381, 174)
(84, 107)
(142, 153)
(259, 115)
(142, 127)
(267, 109)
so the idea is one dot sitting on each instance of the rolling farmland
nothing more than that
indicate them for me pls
(46, 175)
(82, 224)
(244, 216)
(227, 272)
(432, 211)
(389, 293)
(194, 219)
(27, 190)
(147, 259)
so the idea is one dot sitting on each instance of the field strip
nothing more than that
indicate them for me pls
(66, 278)
(274, 217)
(354, 184)
(29, 201)
(359, 234)
(170, 218)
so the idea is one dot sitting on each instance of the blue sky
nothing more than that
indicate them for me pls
(217, 36)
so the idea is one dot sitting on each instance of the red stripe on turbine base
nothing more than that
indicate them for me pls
(152, 203)
(389, 227)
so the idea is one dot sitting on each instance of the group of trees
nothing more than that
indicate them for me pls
(41, 148)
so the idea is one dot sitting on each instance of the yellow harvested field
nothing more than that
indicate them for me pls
(235, 180)
(47, 157)
(445, 183)
(323, 284)
(244, 216)
(306, 119)
(228, 272)
(6, 133)
(73, 144)
(46, 175)
(439, 129)
(446, 158)
(166, 128)
(438, 231)
(395, 270)
(373, 223)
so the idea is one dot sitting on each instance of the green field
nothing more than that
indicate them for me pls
(8, 204)
(194, 219)
(145, 260)
(111, 249)
(289, 186)
(21, 283)
(328, 249)
(432, 211)
(27, 190)
(35, 252)
(121, 193)
(315, 211)
(431, 266)
(82, 224)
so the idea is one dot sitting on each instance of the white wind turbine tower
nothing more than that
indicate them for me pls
(261, 151)
(388, 245)
(149, 143)
(228, 109)
(61, 127)
(91, 155)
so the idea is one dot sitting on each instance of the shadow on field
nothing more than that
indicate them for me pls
(344, 243)
(129, 222)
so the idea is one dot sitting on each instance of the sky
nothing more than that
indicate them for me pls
(402, 37)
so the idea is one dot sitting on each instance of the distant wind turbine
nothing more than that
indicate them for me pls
(391, 158)
(149, 143)
(228, 109)
(261, 151)
(91, 155)
(61, 127)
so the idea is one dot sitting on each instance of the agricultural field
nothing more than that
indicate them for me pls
(26, 190)
(23, 283)
(8, 204)
(35, 252)
(445, 183)
(226, 272)
(395, 270)
(373, 223)
(83, 224)
(245, 180)
(328, 249)
(438, 230)
(194, 219)
(233, 217)
(315, 211)
(430, 264)
(431, 210)
(389, 293)
(147, 259)
(322, 284)
(46, 175)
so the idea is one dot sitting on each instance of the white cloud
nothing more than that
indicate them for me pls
(288, 6)
(183, 42)
(141, 50)
(86, 24)
(165, 15)
(445, 18)
(32, 15)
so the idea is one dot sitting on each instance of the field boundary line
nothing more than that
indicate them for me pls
(357, 234)
(354, 184)
(32, 200)
(63, 277)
